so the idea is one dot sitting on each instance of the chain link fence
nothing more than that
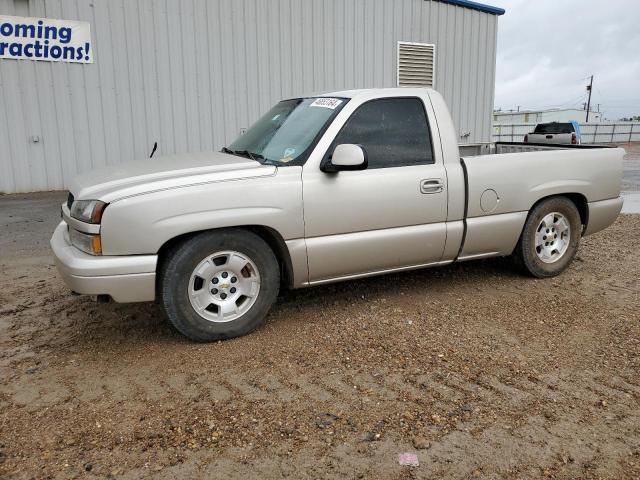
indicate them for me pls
(621, 132)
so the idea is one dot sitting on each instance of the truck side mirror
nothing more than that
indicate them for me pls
(346, 156)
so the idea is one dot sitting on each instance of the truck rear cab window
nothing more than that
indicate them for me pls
(554, 128)
(393, 131)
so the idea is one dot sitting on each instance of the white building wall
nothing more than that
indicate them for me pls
(190, 74)
(567, 115)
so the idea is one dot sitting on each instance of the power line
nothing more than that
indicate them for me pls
(576, 100)
(619, 106)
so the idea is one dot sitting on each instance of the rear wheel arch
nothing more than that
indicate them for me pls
(578, 199)
(530, 249)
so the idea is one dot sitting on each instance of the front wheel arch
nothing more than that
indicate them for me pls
(178, 290)
(271, 236)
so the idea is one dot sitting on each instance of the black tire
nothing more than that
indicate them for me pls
(526, 250)
(175, 277)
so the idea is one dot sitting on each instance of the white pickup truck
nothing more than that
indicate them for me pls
(323, 189)
(565, 133)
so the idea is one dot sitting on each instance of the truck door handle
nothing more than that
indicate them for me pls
(431, 185)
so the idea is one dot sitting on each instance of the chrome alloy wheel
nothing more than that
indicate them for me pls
(552, 237)
(224, 286)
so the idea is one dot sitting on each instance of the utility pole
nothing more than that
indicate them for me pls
(589, 88)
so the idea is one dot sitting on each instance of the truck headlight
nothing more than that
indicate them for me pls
(91, 244)
(88, 211)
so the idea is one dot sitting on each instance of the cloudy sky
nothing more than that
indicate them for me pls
(547, 49)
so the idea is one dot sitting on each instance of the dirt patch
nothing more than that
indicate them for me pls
(480, 371)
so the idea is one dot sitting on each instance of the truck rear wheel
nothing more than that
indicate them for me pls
(550, 237)
(219, 284)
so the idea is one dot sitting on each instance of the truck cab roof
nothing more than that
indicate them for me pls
(377, 92)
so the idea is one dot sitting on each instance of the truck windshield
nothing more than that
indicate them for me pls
(553, 128)
(286, 131)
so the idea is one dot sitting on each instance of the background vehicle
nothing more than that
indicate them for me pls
(566, 133)
(319, 190)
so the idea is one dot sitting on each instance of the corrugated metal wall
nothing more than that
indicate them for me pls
(190, 73)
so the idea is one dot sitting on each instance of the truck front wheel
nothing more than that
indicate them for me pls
(219, 284)
(550, 237)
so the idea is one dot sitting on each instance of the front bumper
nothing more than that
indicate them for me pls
(130, 278)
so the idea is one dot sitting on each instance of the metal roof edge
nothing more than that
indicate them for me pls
(476, 6)
(545, 110)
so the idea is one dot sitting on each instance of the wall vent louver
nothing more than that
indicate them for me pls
(416, 64)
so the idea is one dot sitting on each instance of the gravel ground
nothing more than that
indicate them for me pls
(480, 371)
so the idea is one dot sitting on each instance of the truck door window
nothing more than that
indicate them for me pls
(393, 131)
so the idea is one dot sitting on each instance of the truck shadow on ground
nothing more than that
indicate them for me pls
(447, 278)
(146, 323)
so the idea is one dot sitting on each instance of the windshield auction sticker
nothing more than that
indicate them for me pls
(45, 39)
(331, 103)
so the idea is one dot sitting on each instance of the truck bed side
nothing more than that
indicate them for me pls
(502, 188)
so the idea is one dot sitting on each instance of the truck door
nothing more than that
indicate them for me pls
(391, 215)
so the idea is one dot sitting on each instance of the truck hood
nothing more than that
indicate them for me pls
(143, 176)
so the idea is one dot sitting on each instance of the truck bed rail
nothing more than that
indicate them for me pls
(476, 149)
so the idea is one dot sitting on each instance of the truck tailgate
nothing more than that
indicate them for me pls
(559, 138)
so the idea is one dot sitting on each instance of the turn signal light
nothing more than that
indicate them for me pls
(91, 244)
(96, 245)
